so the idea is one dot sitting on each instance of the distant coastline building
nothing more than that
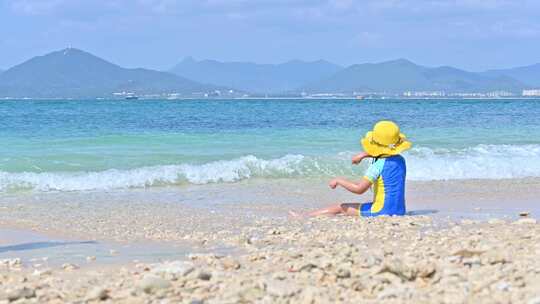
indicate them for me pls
(424, 94)
(531, 93)
(443, 94)
(497, 94)
(327, 95)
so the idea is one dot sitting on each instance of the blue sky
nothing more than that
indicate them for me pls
(471, 34)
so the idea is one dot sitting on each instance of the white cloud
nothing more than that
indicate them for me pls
(516, 28)
(271, 28)
(33, 7)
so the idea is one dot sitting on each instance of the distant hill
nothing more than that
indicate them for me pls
(402, 75)
(527, 74)
(75, 73)
(256, 78)
(78, 74)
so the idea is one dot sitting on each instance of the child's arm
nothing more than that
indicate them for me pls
(358, 188)
(359, 157)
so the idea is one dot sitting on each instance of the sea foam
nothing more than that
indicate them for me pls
(478, 162)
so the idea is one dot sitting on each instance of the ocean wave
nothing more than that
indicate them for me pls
(214, 172)
(478, 162)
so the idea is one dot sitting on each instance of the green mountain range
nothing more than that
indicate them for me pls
(256, 78)
(72, 73)
(75, 73)
(401, 75)
(527, 74)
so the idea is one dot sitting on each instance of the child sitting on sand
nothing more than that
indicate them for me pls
(386, 174)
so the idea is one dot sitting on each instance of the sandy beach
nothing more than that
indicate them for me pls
(202, 152)
(462, 242)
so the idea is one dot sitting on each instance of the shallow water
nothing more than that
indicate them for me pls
(252, 199)
(53, 251)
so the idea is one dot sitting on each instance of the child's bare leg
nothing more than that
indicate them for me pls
(347, 209)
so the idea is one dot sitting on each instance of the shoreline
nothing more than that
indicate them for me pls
(178, 214)
(533, 98)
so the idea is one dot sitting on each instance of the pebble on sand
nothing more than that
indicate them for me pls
(525, 221)
(69, 266)
(178, 268)
(150, 283)
(97, 293)
(20, 293)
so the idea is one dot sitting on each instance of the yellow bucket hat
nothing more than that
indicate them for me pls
(385, 139)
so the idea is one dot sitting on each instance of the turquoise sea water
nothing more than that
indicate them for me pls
(91, 145)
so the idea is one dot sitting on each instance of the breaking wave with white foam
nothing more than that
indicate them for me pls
(479, 162)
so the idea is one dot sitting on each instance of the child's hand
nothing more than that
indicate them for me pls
(359, 157)
(333, 183)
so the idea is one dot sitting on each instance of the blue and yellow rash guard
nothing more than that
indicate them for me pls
(387, 176)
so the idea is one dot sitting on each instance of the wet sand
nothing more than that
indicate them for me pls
(184, 214)
(465, 243)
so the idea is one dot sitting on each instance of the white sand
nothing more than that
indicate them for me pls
(436, 257)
